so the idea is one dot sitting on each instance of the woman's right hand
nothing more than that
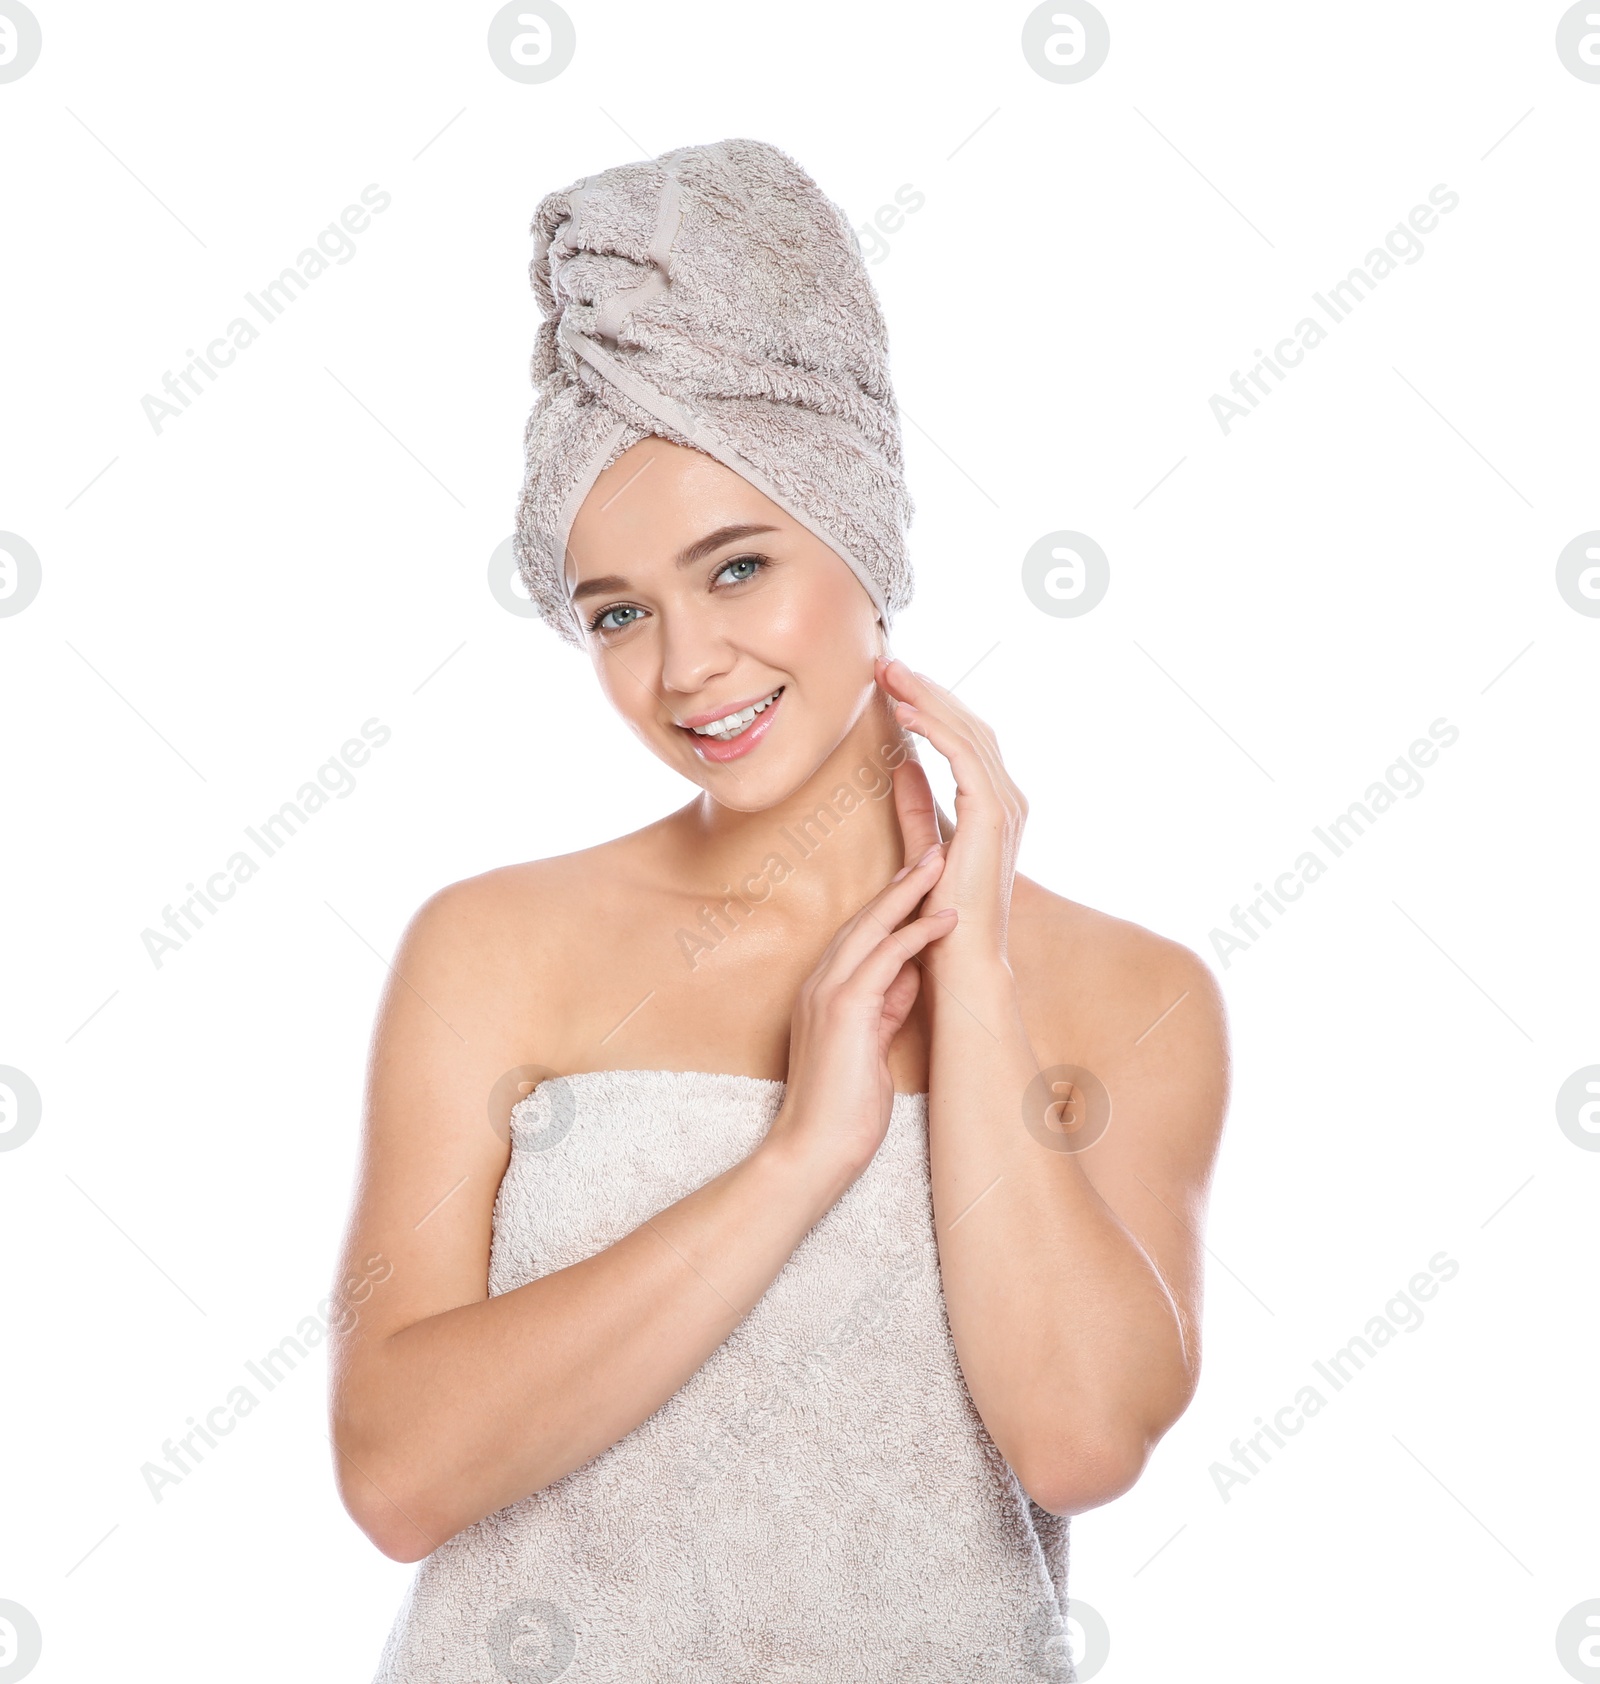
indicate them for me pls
(840, 1093)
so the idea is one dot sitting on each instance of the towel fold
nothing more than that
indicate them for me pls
(715, 297)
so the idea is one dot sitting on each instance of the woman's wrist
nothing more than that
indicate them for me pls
(969, 979)
(814, 1174)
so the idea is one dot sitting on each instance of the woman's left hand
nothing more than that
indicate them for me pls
(981, 851)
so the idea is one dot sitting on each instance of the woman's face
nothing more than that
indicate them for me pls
(703, 599)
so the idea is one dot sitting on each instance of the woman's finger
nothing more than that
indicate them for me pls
(975, 783)
(898, 999)
(983, 752)
(882, 913)
(932, 700)
(921, 691)
(879, 968)
(925, 699)
(914, 807)
(958, 710)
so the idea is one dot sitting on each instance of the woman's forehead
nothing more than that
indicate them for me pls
(657, 499)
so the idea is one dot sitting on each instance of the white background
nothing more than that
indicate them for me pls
(305, 548)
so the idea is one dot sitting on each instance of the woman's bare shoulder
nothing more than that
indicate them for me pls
(533, 912)
(1104, 976)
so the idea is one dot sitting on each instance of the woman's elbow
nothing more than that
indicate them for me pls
(1095, 1464)
(383, 1505)
(1085, 1474)
(406, 1545)
(386, 1523)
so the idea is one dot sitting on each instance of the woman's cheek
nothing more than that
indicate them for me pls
(620, 691)
(810, 619)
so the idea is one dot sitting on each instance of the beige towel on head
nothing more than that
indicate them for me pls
(713, 296)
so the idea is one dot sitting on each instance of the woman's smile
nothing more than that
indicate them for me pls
(729, 735)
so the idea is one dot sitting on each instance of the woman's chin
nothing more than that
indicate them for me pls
(761, 768)
(753, 782)
(747, 789)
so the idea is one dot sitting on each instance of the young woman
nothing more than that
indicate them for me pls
(791, 1214)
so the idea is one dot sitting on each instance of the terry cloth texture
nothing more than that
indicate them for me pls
(819, 1503)
(713, 296)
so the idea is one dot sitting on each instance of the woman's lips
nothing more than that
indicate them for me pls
(721, 749)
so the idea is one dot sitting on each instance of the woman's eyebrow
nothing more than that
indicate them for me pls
(702, 547)
(686, 557)
(598, 587)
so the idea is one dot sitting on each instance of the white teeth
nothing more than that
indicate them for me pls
(731, 724)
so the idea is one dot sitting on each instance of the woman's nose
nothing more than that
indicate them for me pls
(693, 653)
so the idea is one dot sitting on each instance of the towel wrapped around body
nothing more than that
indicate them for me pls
(819, 1504)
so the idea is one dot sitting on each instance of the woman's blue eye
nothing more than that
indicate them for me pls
(604, 622)
(752, 562)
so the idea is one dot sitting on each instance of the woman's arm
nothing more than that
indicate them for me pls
(1073, 1277)
(1071, 1262)
(448, 1404)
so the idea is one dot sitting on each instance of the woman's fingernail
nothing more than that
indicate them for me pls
(929, 855)
(903, 871)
